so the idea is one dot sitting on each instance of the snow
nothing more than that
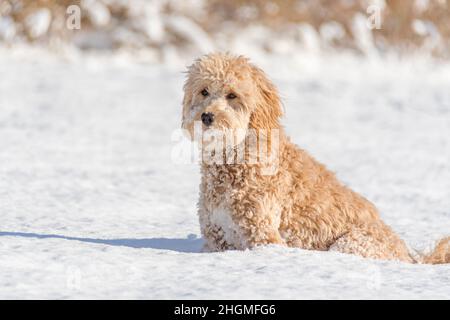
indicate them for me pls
(98, 12)
(191, 31)
(38, 22)
(7, 28)
(94, 206)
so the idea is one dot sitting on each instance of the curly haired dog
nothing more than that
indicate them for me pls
(300, 204)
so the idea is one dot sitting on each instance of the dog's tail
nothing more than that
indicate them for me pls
(440, 254)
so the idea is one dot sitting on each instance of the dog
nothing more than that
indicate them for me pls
(300, 203)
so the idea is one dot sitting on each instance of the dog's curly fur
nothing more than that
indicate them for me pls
(302, 204)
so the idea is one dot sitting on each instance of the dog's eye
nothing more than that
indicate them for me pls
(204, 93)
(231, 96)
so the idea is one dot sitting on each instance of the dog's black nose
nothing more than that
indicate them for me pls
(207, 118)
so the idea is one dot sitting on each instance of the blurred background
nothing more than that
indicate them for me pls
(163, 30)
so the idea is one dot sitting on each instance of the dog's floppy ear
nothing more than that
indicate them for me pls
(187, 100)
(187, 96)
(268, 107)
(188, 89)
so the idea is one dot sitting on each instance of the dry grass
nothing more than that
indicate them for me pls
(19, 10)
(397, 18)
(397, 31)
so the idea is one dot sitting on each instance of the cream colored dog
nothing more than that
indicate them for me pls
(300, 204)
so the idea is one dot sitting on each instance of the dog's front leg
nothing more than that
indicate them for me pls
(214, 239)
(213, 235)
(260, 223)
(263, 236)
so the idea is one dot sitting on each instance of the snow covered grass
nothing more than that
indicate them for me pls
(93, 206)
(166, 27)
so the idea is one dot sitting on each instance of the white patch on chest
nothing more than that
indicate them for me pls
(232, 234)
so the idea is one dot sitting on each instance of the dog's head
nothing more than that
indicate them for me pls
(228, 93)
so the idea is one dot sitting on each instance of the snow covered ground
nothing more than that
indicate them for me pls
(92, 204)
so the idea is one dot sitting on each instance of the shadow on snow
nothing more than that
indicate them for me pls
(190, 244)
